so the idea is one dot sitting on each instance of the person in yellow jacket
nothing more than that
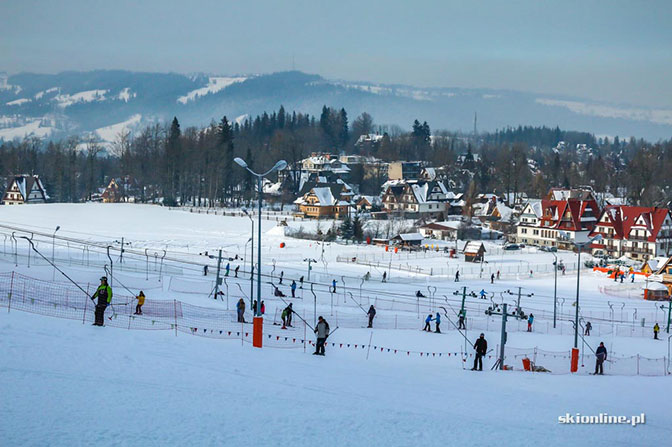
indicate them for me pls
(104, 295)
(141, 301)
(656, 329)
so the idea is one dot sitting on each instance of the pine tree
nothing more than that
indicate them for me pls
(357, 228)
(347, 229)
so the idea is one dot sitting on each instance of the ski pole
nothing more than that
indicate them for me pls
(445, 312)
(293, 311)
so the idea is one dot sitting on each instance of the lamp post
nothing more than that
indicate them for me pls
(555, 290)
(579, 246)
(251, 259)
(258, 319)
(53, 243)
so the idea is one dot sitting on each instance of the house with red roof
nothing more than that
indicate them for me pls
(637, 232)
(558, 219)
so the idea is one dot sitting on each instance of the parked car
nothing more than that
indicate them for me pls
(512, 247)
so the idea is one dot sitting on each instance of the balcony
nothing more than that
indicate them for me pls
(637, 238)
(641, 250)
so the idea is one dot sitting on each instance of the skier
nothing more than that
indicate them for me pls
(282, 274)
(656, 329)
(290, 311)
(600, 357)
(384, 276)
(419, 294)
(278, 292)
(254, 308)
(492, 278)
(497, 275)
(632, 278)
(481, 347)
(240, 308)
(205, 270)
(322, 331)
(371, 313)
(367, 276)
(438, 323)
(293, 287)
(301, 282)
(104, 295)
(457, 276)
(588, 328)
(622, 276)
(141, 301)
(530, 320)
(333, 284)
(283, 316)
(530, 273)
(236, 271)
(263, 307)
(483, 294)
(228, 268)
(462, 317)
(428, 320)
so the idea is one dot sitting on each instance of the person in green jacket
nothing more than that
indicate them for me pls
(104, 295)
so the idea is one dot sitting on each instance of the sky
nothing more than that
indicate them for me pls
(614, 51)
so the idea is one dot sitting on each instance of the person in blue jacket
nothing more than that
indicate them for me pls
(293, 287)
(438, 323)
(428, 320)
(530, 320)
(228, 268)
(483, 294)
(333, 284)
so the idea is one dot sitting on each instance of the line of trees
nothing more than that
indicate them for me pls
(194, 165)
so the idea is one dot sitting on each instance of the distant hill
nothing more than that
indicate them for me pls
(104, 102)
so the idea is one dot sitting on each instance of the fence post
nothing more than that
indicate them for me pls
(637, 364)
(86, 302)
(9, 297)
(175, 314)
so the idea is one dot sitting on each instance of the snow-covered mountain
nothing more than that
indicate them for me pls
(102, 103)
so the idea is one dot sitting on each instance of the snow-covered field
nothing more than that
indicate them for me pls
(68, 383)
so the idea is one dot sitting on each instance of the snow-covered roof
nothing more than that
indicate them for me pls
(410, 236)
(652, 285)
(324, 195)
(473, 247)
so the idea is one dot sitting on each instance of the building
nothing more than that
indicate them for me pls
(414, 198)
(25, 189)
(120, 190)
(404, 170)
(408, 239)
(474, 251)
(368, 203)
(640, 233)
(444, 231)
(320, 163)
(558, 219)
(324, 202)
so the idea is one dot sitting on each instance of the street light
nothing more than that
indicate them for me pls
(258, 319)
(579, 246)
(251, 257)
(53, 243)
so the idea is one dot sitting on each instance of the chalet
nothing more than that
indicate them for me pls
(405, 170)
(320, 162)
(494, 214)
(120, 189)
(408, 239)
(640, 233)
(560, 217)
(25, 189)
(414, 198)
(368, 203)
(324, 202)
(474, 251)
(445, 231)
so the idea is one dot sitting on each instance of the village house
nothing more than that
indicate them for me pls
(368, 203)
(558, 219)
(414, 198)
(324, 202)
(640, 233)
(405, 170)
(120, 189)
(444, 231)
(25, 189)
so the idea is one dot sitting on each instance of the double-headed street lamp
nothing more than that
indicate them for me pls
(258, 319)
(579, 246)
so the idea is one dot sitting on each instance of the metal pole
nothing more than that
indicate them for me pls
(252, 264)
(502, 338)
(219, 264)
(669, 314)
(259, 186)
(555, 291)
(53, 243)
(576, 317)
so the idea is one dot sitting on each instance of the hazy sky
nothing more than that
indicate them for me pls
(617, 51)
